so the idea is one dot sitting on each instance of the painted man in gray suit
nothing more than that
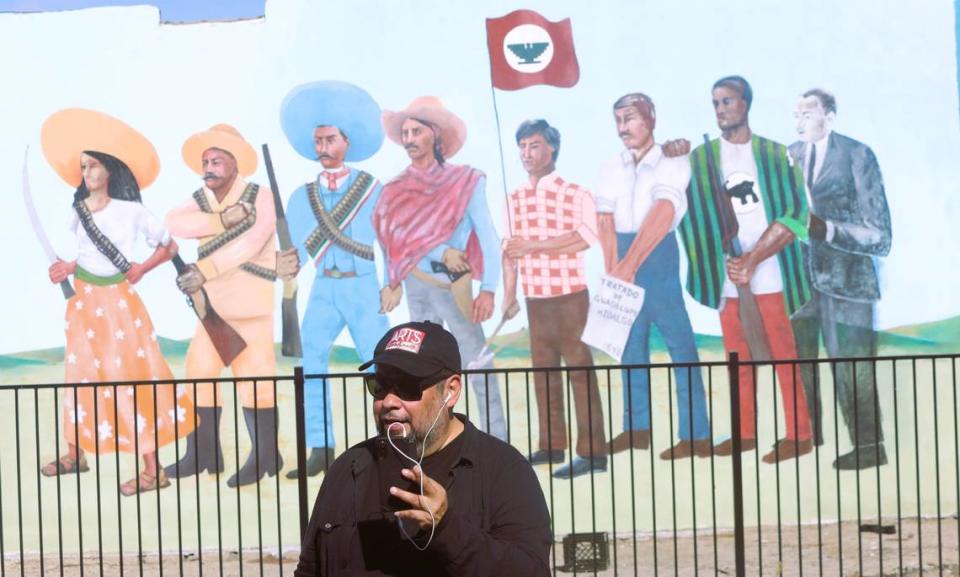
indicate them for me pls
(849, 228)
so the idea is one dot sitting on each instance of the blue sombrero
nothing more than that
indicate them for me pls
(332, 103)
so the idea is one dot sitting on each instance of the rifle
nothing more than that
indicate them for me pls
(225, 339)
(291, 346)
(729, 228)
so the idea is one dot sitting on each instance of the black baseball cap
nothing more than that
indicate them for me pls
(420, 349)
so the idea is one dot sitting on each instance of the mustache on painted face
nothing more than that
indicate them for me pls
(209, 176)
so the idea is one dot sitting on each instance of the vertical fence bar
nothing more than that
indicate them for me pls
(156, 457)
(116, 456)
(136, 474)
(653, 480)
(693, 470)
(298, 390)
(916, 449)
(856, 448)
(798, 386)
(96, 442)
(756, 459)
(896, 441)
(877, 447)
(16, 424)
(936, 462)
(276, 464)
(568, 393)
(613, 492)
(817, 441)
(346, 415)
(673, 469)
(176, 467)
(196, 463)
(836, 447)
(738, 536)
(76, 428)
(36, 426)
(713, 474)
(256, 467)
(774, 389)
(221, 461)
(236, 451)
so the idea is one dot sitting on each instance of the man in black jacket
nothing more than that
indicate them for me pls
(431, 495)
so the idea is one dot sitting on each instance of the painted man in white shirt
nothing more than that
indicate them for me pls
(640, 200)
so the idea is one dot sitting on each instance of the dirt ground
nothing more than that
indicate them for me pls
(844, 551)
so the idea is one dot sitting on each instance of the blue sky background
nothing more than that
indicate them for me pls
(170, 10)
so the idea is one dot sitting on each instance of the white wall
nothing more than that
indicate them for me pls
(891, 65)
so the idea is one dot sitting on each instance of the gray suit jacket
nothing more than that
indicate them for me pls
(848, 193)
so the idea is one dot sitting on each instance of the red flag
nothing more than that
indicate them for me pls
(527, 49)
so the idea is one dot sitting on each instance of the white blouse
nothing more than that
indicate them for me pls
(122, 221)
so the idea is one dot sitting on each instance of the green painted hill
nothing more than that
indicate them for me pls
(934, 337)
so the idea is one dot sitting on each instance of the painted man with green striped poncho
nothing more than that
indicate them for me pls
(768, 199)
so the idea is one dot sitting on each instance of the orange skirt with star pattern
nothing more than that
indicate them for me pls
(110, 338)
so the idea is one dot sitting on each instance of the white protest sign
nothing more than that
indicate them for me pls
(613, 308)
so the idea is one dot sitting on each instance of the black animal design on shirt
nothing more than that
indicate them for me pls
(742, 191)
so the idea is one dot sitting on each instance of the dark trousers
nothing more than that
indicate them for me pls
(556, 324)
(847, 330)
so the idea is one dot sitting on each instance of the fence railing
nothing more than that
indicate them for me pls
(870, 487)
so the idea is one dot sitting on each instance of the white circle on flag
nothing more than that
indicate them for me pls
(528, 48)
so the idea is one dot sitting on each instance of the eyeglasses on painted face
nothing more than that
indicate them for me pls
(407, 387)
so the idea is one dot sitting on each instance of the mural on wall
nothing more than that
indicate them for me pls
(740, 243)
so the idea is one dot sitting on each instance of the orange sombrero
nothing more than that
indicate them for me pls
(68, 132)
(453, 132)
(224, 137)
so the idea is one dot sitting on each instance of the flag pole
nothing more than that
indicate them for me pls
(503, 169)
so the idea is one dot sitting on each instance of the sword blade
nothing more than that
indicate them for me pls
(32, 213)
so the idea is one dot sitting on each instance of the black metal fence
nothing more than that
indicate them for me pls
(878, 497)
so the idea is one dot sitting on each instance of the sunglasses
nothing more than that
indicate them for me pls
(407, 387)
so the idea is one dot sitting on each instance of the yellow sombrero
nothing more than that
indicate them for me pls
(224, 137)
(453, 132)
(67, 133)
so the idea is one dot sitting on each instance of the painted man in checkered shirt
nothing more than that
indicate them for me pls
(641, 198)
(551, 222)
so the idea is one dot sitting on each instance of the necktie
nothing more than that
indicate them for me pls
(813, 164)
(333, 177)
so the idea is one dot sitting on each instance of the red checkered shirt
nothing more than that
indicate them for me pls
(554, 208)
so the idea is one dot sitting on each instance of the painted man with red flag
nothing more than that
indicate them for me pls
(437, 235)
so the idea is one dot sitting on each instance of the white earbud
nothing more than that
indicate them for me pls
(447, 398)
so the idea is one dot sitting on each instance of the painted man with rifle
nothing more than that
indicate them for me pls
(330, 224)
(747, 214)
(235, 224)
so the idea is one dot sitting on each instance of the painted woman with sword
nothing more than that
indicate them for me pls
(109, 334)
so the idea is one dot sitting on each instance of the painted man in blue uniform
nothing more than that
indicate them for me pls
(330, 225)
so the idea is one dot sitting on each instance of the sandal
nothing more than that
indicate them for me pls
(144, 483)
(65, 465)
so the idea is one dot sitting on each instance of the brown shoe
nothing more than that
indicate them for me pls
(788, 449)
(630, 440)
(685, 449)
(65, 465)
(144, 483)
(725, 449)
